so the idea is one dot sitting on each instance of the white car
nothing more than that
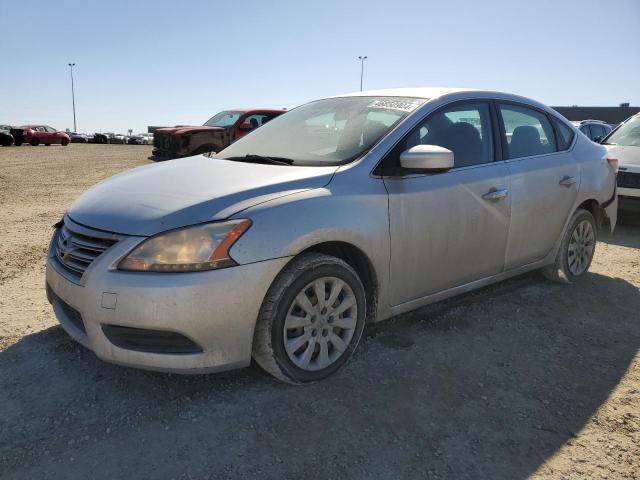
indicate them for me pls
(624, 144)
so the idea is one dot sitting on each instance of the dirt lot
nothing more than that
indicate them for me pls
(525, 378)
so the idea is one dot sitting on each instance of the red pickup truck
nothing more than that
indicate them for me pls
(217, 133)
(37, 134)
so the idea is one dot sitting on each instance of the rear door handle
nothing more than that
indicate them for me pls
(567, 181)
(495, 194)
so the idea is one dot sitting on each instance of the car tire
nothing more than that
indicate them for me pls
(18, 143)
(64, 142)
(47, 144)
(35, 142)
(280, 326)
(576, 250)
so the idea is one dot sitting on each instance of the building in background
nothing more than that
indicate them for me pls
(611, 115)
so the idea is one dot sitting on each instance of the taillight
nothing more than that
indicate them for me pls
(613, 163)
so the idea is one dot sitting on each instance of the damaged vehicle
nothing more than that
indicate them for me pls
(217, 133)
(345, 211)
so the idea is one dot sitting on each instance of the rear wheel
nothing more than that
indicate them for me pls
(311, 319)
(576, 251)
(35, 142)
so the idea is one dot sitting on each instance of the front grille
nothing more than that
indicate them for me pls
(628, 180)
(75, 251)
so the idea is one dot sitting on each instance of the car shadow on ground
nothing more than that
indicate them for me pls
(489, 384)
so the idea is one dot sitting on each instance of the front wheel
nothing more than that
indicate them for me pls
(64, 142)
(311, 319)
(18, 143)
(35, 142)
(576, 250)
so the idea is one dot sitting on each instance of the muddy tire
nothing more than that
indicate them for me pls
(311, 320)
(576, 250)
(35, 142)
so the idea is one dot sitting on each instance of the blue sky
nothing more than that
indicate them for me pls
(179, 62)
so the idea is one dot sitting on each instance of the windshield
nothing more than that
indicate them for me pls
(627, 135)
(223, 119)
(325, 132)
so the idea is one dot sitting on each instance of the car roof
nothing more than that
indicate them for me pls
(245, 110)
(418, 92)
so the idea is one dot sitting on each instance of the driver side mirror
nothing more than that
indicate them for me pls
(430, 158)
(597, 139)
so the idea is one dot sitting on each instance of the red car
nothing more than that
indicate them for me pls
(217, 133)
(37, 134)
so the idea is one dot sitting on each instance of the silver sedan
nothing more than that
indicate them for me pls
(342, 212)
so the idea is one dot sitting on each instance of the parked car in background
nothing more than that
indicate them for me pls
(218, 132)
(117, 138)
(39, 134)
(624, 144)
(344, 211)
(6, 139)
(78, 137)
(141, 139)
(101, 137)
(595, 130)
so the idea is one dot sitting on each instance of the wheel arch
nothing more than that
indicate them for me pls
(360, 262)
(593, 207)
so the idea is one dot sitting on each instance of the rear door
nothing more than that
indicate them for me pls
(544, 181)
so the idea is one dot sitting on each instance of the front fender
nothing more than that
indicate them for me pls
(356, 214)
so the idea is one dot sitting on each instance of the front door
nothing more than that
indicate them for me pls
(451, 228)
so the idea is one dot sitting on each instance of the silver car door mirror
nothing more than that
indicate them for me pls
(427, 157)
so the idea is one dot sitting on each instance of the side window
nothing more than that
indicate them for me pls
(597, 131)
(463, 129)
(528, 132)
(254, 120)
(565, 134)
(585, 129)
(50, 129)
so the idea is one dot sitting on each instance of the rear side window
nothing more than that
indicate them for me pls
(528, 132)
(564, 134)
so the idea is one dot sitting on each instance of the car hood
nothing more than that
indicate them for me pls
(176, 193)
(625, 155)
(187, 129)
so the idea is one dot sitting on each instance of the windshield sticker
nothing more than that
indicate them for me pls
(401, 105)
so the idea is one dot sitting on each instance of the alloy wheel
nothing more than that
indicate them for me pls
(581, 247)
(320, 323)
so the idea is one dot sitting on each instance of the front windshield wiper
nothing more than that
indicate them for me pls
(252, 158)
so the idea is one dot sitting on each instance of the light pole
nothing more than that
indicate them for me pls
(362, 59)
(73, 99)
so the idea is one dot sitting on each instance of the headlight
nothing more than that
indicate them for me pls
(191, 249)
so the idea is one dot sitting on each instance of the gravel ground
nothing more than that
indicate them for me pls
(525, 378)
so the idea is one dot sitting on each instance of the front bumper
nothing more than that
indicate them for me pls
(216, 309)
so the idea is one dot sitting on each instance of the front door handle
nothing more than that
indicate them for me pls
(495, 194)
(567, 181)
